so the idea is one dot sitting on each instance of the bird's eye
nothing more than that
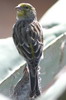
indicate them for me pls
(27, 7)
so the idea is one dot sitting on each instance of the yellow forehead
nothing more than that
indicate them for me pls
(25, 5)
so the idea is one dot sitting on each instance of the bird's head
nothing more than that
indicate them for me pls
(25, 11)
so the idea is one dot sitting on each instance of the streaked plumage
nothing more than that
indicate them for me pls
(28, 38)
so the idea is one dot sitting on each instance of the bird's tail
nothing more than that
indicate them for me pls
(35, 91)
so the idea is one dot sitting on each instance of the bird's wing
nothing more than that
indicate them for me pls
(28, 40)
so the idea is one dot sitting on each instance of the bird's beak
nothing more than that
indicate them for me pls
(17, 7)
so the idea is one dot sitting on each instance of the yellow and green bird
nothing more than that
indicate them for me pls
(28, 38)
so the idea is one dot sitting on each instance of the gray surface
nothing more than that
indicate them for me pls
(57, 91)
(50, 66)
(10, 60)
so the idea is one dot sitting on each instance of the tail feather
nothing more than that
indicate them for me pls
(33, 73)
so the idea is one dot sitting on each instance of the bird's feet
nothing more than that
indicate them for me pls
(26, 69)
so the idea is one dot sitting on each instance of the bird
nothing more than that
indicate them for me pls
(28, 38)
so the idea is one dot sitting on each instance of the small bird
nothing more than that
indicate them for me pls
(28, 38)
